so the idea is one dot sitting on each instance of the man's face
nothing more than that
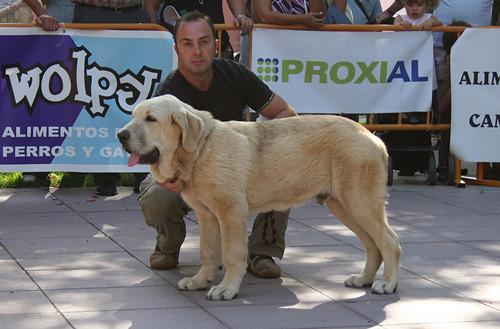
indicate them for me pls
(195, 47)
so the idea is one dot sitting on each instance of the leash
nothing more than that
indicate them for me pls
(269, 219)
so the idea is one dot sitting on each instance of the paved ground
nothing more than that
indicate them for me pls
(69, 259)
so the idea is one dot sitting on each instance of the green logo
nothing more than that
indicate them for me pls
(267, 69)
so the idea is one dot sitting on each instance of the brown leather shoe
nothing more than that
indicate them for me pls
(263, 266)
(161, 261)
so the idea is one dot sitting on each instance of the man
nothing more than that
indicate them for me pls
(224, 88)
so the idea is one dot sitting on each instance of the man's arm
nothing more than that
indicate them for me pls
(151, 7)
(389, 12)
(43, 19)
(341, 4)
(313, 19)
(238, 9)
(278, 108)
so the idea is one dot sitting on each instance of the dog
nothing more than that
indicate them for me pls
(232, 170)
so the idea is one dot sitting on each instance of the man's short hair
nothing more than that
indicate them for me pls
(193, 16)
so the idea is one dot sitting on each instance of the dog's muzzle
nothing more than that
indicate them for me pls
(148, 158)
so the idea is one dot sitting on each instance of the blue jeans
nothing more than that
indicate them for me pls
(87, 14)
(335, 16)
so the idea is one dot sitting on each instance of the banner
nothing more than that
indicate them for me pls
(475, 83)
(64, 95)
(346, 72)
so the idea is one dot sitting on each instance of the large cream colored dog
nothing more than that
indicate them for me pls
(234, 169)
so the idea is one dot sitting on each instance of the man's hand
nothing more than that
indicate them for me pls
(47, 22)
(243, 22)
(173, 184)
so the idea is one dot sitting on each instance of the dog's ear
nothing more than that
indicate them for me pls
(191, 127)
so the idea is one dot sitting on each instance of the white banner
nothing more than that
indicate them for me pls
(346, 72)
(475, 79)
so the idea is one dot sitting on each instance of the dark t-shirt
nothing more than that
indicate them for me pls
(233, 88)
(212, 8)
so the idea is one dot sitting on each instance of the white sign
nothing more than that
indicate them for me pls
(346, 72)
(475, 87)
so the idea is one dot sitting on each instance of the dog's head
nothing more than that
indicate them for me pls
(161, 129)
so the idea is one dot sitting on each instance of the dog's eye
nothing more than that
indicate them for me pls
(150, 118)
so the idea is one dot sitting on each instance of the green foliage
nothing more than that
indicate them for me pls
(57, 179)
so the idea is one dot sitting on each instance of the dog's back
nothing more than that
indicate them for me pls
(290, 161)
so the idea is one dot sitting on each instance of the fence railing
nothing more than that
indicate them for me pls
(371, 122)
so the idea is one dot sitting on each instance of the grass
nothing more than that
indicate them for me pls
(57, 179)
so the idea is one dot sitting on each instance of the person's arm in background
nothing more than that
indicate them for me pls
(238, 9)
(43, 19)
(317, 6)
(340, 4)
(151, 7)
(314, 19)
(389, 12)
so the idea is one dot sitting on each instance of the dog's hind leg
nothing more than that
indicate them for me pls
(373, 255)
(210, 253)
(380, 242)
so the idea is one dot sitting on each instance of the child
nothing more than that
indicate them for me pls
(416, 14)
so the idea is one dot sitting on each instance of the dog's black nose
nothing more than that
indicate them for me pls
(123, 135)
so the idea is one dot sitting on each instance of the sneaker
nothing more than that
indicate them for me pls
(263, 266)
(170, 15)
(161, 261)
(29, 178)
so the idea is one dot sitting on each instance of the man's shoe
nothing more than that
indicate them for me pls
(263, 266)
(161, 261)
(106, 190)
(29, 178)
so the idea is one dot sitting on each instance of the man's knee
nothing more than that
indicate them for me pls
(159, 205)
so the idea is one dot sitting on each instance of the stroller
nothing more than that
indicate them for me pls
(412, 151)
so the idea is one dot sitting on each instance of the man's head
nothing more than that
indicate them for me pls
(191, 17)
(194, 36)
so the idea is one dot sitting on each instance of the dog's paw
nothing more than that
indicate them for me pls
(357, 281)
(384, 287)
(222, 293)
(193, 284)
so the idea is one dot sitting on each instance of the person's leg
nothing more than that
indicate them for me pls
(163, 210)
(266, 241)
(335, 16)
(442, 71)
(107, 183)
(138, 178)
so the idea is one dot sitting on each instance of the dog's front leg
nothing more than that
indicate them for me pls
(210, 253)
(234, 253)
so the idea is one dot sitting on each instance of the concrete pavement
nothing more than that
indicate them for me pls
(70, 259)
